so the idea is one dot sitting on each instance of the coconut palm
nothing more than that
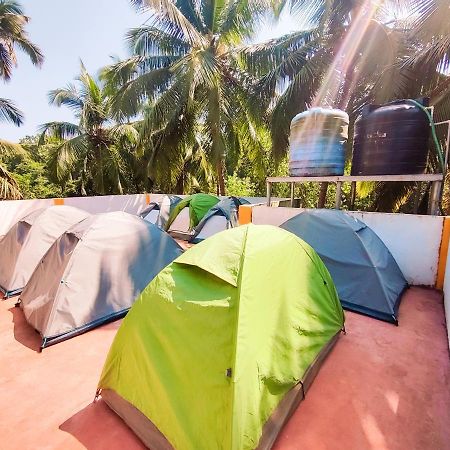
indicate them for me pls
(9, 188)
(186, 79)
(356, 52)
(8, 185)
(13, 36)
(93, 148)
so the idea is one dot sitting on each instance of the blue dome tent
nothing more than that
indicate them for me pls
(366, 275)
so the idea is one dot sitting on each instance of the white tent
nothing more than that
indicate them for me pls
(27, 242)
(93, 273)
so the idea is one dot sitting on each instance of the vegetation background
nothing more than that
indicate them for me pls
(198, 107)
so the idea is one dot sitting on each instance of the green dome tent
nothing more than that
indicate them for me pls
(198, 204)
(220, 217)
(222, 345)
(367, 277)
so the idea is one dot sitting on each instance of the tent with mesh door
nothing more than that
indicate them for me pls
(366, 274)
(187, 214)
(27, 242)
(220, 217)
(158, 213)
(93, 273)
(223, 344)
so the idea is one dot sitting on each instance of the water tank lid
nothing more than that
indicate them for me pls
(329, 112)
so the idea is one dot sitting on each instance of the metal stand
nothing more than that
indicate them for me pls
(436, 180)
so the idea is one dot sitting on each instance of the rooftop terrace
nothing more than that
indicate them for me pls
(382, 387)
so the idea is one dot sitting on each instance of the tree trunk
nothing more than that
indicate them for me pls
(323, 194)
(221, 178)
(179, 187)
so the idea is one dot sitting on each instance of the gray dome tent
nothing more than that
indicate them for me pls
(366, 275)
(158, 213)
(10, 247)
(222, 216)
(28, 241)
(93, 273)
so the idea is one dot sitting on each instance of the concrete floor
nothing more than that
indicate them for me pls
(382, 387)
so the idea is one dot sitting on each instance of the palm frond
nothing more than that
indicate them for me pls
(31, 50)
(167, 12)
(10, 148)
(238, 19)
(10, 113)
(58, 130)
(68, 96)
(128, 100)
(64, 157)
(124, 133)
(13, 36)
(9, 189)
(156, 40)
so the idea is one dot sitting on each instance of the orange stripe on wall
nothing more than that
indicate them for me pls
(58, 201)
(443, 252)
(147, 199)
(245, 214)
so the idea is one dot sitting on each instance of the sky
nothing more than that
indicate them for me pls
(67, 31)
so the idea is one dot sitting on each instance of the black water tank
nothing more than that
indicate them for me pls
(391, 139)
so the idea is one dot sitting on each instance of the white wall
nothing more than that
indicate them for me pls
(413, 240)
(12, 211)
(132, 204)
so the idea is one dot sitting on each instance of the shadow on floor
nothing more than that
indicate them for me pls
(23, 332)
(98, 427)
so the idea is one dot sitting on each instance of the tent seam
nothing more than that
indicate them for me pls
(375, 267)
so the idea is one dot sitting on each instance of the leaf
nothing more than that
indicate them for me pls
(10, 113)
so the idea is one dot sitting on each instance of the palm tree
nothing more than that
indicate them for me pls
(93, 148)
(8, 185)
(187, 79)
(356, 53)
(13, 36)
(10, 113)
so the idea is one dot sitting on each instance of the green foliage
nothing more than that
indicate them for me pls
(197, 108)
(30, 176)
(187, 78)
(240, 187)
(13, 36)
(97, 152)
(28, 167)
